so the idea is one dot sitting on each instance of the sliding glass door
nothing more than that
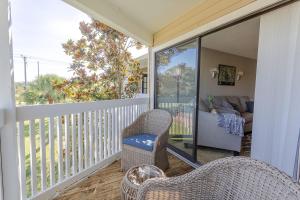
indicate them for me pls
(176, 91)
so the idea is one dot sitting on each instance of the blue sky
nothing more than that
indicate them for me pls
(39, 28)
(187, 57)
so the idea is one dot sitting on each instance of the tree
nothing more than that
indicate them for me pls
(42, 90)
(102, 65)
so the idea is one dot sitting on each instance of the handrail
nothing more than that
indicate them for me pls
(51, 110)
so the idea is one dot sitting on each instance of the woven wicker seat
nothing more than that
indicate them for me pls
(229, 178)
(156, 122)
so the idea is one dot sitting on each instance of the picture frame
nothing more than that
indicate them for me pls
(227, 75)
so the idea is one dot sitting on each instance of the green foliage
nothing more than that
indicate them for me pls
(42, 91)
(102, 66)
(180, 75)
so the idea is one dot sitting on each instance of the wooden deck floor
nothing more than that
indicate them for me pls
(105, 184)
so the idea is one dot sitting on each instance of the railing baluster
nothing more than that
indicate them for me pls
(60, 153)
(51, 149)
(118, 129)
(105, 133)
(22, 169)
(80, 149)
(127, 116)
(96, 151)
(91, 138)
(113, 131)
(74, 165)
(100, 135)
(86, 141)
(109, 132)
(67, 139)
(43, 154)
(32, 156)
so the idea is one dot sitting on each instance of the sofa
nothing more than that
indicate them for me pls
(210, 134)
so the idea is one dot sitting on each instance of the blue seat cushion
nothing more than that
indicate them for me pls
(142, 141)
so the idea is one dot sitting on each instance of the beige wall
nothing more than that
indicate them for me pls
(207, 11)
(209, 86)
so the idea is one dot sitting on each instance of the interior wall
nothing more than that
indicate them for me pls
(211, 59)
(277, 109)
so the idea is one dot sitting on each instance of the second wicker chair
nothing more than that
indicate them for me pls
(145, 140)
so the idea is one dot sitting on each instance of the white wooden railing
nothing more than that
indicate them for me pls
(60, 144)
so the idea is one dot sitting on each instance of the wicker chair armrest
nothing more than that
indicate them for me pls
(161, 141)
(165, 188)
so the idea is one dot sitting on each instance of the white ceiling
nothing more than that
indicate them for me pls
(139, 19)
(241, 39)
(163, 11)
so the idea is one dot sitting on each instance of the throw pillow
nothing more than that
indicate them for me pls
(250, 106)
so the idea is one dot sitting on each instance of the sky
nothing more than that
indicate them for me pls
(39, 29)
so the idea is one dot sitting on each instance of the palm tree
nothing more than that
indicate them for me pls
(42, 91)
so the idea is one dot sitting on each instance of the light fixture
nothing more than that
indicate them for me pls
(214, 72)
(240, 74)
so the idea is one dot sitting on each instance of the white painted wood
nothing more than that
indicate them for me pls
(117, 129)
(109, 129)
(9, 183)
(74, 149)
(111, 15)
(91, 138)
(32, 157)
(105, 134)
(43, 154)
(86, 140)
(101, 135)
(67, 145)
(80, 148)
(277, 111)
(51, 149)
(22, 172)
(113, 131)
(60, 151)
(96, 124)
(53, 110)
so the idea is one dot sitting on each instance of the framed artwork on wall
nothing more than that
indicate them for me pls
(226, 75)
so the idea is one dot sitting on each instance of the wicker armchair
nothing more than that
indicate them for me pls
(156, 122)
(229, 178)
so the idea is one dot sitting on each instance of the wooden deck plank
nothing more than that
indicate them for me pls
(105, 183)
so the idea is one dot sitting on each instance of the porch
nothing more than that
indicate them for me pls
(73, 149)
(105, 183)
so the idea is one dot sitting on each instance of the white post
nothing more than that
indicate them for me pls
(151, 76)
(7, 103)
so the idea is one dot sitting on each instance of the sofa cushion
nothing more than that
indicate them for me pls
(248, 117)
(235, 101)
(143, 141)
(219, 101)
(244, 100)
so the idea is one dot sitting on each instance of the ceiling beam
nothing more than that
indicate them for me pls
(206, 12)
(114, 17)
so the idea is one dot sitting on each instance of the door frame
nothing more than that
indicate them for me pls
(193, 157)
